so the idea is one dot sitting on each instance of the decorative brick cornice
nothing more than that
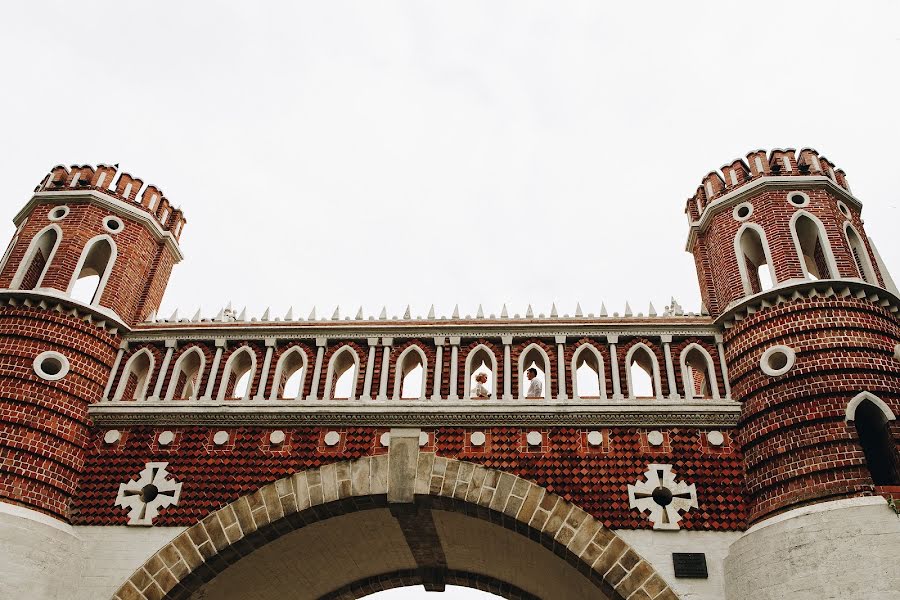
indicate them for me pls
(47, 299)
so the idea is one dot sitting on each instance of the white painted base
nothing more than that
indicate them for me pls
(44, 559)
(657, 548)
(841, 550)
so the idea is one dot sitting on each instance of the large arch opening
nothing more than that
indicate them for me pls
(872, 419)
(331, 533)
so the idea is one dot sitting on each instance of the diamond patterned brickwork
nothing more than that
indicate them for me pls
(594, 479)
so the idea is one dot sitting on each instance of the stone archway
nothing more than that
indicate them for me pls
(402, 518)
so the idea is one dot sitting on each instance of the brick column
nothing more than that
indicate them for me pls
(214, 370)
(163, 369)
(317, 373)
(670, 368)
(370, 368)
(115, 369)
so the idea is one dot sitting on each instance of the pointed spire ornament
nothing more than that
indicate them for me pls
(480, 313)
(174, 317)
(243, 315)
(289, 315)
(383, 315)
(359, 314)
(455, 311)
(578, 312)
(628, 312)
(220, 316)
(312, 314)
(265, 315)
(529, 314)
(553, 313)
(196, 317)
(504, 314)
(431, 313)
(407, 315)
(652, 311)
(336, 315)
(603, 312)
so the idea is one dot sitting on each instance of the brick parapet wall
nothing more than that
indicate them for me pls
(44, 426)
(797, 446)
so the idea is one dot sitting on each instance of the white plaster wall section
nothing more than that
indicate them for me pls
(657, 548)
(804, 554)
(40, 557)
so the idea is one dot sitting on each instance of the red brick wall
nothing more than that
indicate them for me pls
(44, 424)
(797, 447)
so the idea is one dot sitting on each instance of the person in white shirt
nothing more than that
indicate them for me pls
(479, 390)
(535, 388)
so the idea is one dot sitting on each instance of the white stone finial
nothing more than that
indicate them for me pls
(578, 312)
(312, 314)
(196, 317)
(628, 312)
(383, 315)
(336, 315)
(480, 313)
(152, 317)
(529, 313)
(174, 317)
(455, 314)
(289, 315)
(703, 311)
(504, 314)
(221, 315)
(603, 312)
(359, 314)
(243, 315)
(431, 313)
(407, 315)
(228, 307)
(265, 315)
(652, 311)
(553, 312)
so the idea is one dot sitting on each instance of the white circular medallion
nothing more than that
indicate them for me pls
(423, 438)
(113, 224)
(51, 366)
(167, 437)
(655, 438)
(58, 214)
(595, 438)
(534, 438)
(220, 438)
(332, 438)
(112, 436)
(477, 438)
(276, 437)
(798, 199)
(777, 360)
(742, 211)
(715, 438)
(385, 439)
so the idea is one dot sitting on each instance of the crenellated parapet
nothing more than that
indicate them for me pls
(758, 164)
(120, 185)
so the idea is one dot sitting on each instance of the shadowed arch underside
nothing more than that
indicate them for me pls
(332, 533)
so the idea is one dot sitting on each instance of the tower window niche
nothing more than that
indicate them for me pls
(873, 428)
(93, 270)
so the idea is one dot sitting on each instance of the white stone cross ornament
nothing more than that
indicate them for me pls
(664, 497)
(150, 492)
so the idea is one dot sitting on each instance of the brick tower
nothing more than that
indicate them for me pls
(787, 271)
(91, 256)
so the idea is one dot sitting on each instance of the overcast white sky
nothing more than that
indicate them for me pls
(370, 153)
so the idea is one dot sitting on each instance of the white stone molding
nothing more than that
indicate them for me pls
(30, 253)
(657, 383)
(765, 360)
(662, 496)
(614, 367)
(177, 369)
(221, 438)
(58, 213)
(870, 397)
(712, 380)
(113, 224)
(112, 436)
(548, 374)
(561, 366)
(279, 369)
(277, 437)
(229, 370)
(454, 367)
(601, 370)
(143, 383)
(803, 203)
(264, 373)
(595, 438)
(534, 438)
(332, 438)
(742, 211)
(386, 344)
(51, 365)
(438, 367)
(715, 437)
(834, 273)
(400, 371)
(317, 373)
(163, 369)
(723, 366)
(104, 278)
(115, 369)
(166, 437)
(477, 438)
(370, 368)
(467, 382)
(742, 266)
(151, 491)
(507, 340)
(330, 378)
(214, 371)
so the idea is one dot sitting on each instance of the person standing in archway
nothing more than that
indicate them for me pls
(535, 388)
